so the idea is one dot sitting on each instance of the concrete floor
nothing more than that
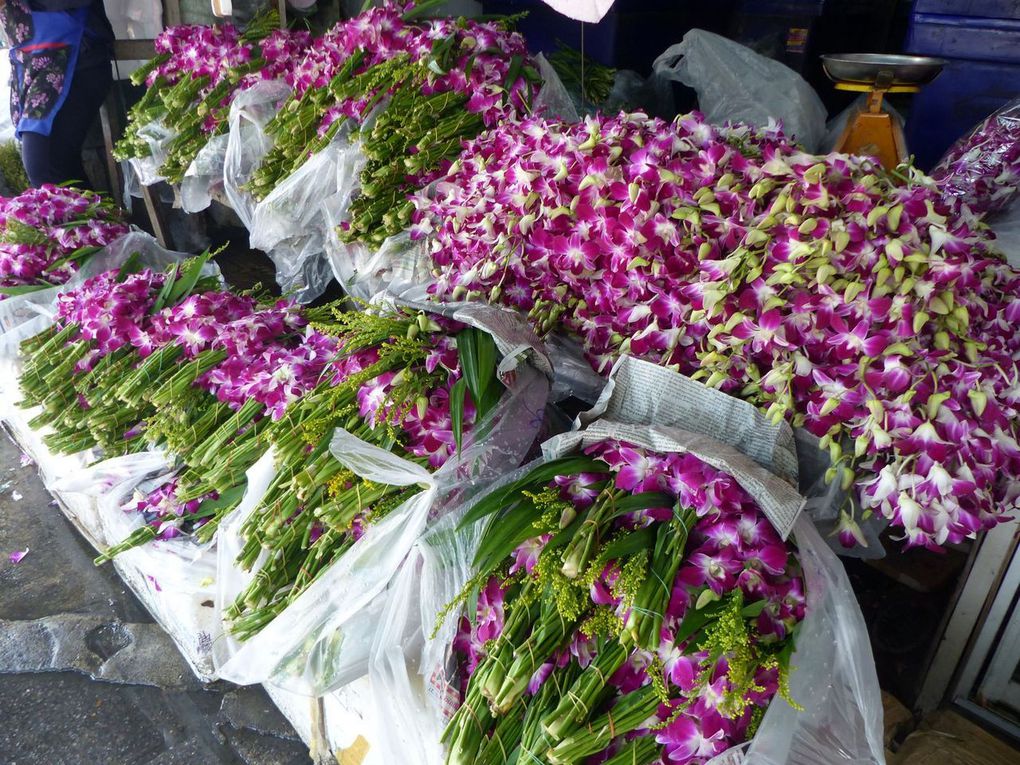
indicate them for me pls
(86, 677)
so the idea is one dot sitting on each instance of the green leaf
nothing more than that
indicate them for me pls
(752, 611)
(164, 293)
(24, 289)
(542, 474)
(457, 411)
(132, 265)
(630, 544)
(636, 502)
(188, 278)
(505, 534)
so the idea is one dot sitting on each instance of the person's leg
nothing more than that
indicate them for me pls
(36, 156)
(56, 158)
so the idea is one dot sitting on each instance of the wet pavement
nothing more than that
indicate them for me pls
(87, 677)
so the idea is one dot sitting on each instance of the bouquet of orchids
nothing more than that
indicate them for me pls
(97, 334)
(629, 607)
(193, 79)
(416, 384)
(46, 234)
(827, 292)
(411, 89)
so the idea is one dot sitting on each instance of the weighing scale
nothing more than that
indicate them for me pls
(871, 130)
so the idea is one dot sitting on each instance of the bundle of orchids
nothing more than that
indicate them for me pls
(982, 170)
(629, 607)
(46, 234)
(846, 300)
(412, 89)
(418, 385)
(196, 73)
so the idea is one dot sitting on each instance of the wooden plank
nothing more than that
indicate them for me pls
(134, 50)
(171, 13)
(107, 118)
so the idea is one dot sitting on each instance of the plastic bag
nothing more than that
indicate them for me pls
(291, 224)
(322, 640)
(735, 84)
(834, 678)
(982, 169)
(204, 176)
(247, 142)
(553, 99)
(175, 578)
(158, 138)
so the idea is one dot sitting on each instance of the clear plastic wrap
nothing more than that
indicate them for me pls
(247, 142)
(735, 84)
(291, 224)
(414, 686)
(174, 578)
(158, 138)
(982, 169)
(204, 177)
(323, 639)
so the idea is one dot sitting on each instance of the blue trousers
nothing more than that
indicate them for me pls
(56, 158)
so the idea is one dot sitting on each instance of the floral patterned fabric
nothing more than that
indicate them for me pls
(44, 46)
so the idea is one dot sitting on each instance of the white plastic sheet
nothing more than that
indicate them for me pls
(735, 84)
(248, 143)
(204, 177)
(158, 137)
(412, 669)
(322, 640)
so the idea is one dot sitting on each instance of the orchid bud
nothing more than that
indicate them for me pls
(458, 292)
(567, 516)
(830, 475)
(716, 379)
(935, 402)
(876, 214)
(706, 598)
(807, 226)
(897, 349)
(835, 452)
(938, 305)
(978, 400)
(825, 273)
(562, 172)
(893, 218)
(970, 349)
(495, 293)
(853, 289)
(422, 405)
(840, 240)
(412, 331)
(633, 192)
(815, 173)
(942, 341)
(830, 405)
(848, 478)
(861, 444)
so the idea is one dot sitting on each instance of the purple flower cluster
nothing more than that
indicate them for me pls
(427, 428)
(812, 286)
(194, 50)
(731, 547)
(481, 69)
(982, 170)
(108, 309)
(165, 513)
(41, 229)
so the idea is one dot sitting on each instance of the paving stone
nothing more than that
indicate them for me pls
(124, 653)
(256, 749)
(251, 709)
(69, 719)
(59, 612)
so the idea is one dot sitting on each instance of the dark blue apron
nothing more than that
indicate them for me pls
(42, 63)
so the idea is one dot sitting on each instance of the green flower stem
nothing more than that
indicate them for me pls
(580, 700)
(644, 623)
(626, 716)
